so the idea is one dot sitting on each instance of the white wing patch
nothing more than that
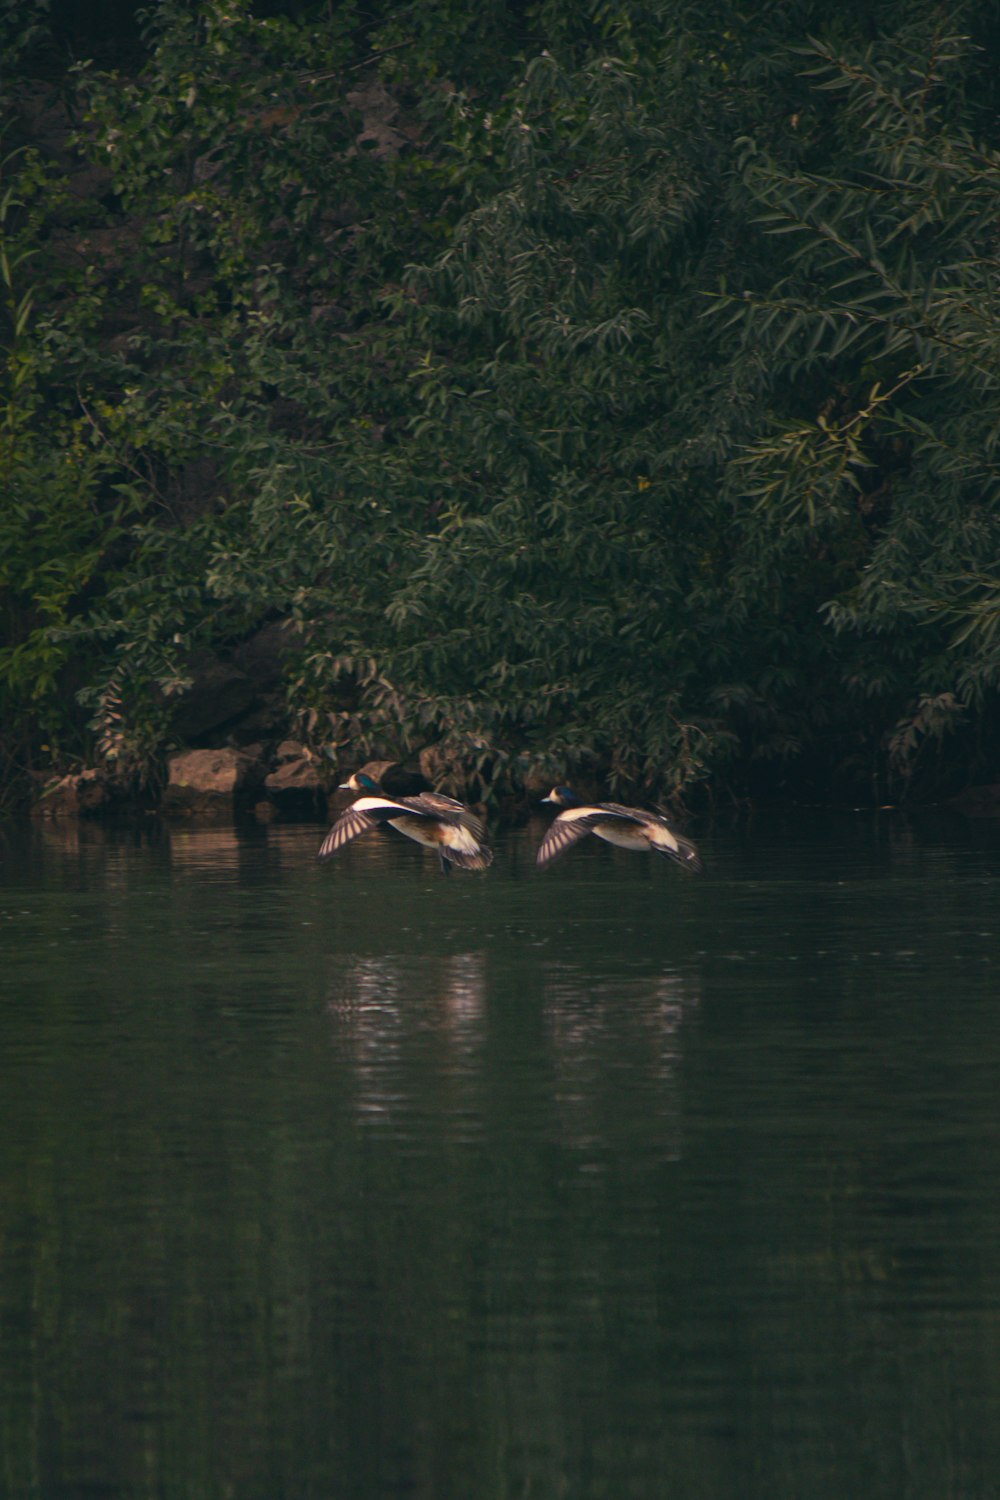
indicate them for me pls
(375, 805)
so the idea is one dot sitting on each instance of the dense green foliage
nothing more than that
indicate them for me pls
(604, 387)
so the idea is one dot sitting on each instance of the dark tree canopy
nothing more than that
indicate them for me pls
(601, 387)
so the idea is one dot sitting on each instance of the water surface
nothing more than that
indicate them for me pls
(352, 1181)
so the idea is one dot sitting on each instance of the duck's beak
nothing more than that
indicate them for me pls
(546, 799)
(345, 786)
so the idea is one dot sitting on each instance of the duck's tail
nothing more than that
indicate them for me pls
(479, 858)
(685, 854)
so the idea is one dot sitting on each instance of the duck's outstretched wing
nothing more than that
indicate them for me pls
(569, 828)
(362, 816)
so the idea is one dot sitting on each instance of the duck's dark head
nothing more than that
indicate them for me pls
(562, 796)
(360, 782)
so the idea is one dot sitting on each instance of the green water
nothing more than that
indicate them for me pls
(352, 1182)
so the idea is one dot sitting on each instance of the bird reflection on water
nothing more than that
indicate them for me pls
(410, 1031)
(388, 1011)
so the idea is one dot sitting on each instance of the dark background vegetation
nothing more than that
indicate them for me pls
(579, 388)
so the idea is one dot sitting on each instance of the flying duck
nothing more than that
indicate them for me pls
(438, 822)
(628, 827)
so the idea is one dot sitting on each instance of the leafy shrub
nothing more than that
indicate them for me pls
(603, 388)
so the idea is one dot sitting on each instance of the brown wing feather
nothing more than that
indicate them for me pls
(567, 829)
(347, 827)
(436, 802)
(631, 815)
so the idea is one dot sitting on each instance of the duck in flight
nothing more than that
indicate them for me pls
(628, 827)
(435, 821)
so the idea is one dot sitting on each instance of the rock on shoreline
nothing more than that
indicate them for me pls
(289, 779)
(210, 783)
